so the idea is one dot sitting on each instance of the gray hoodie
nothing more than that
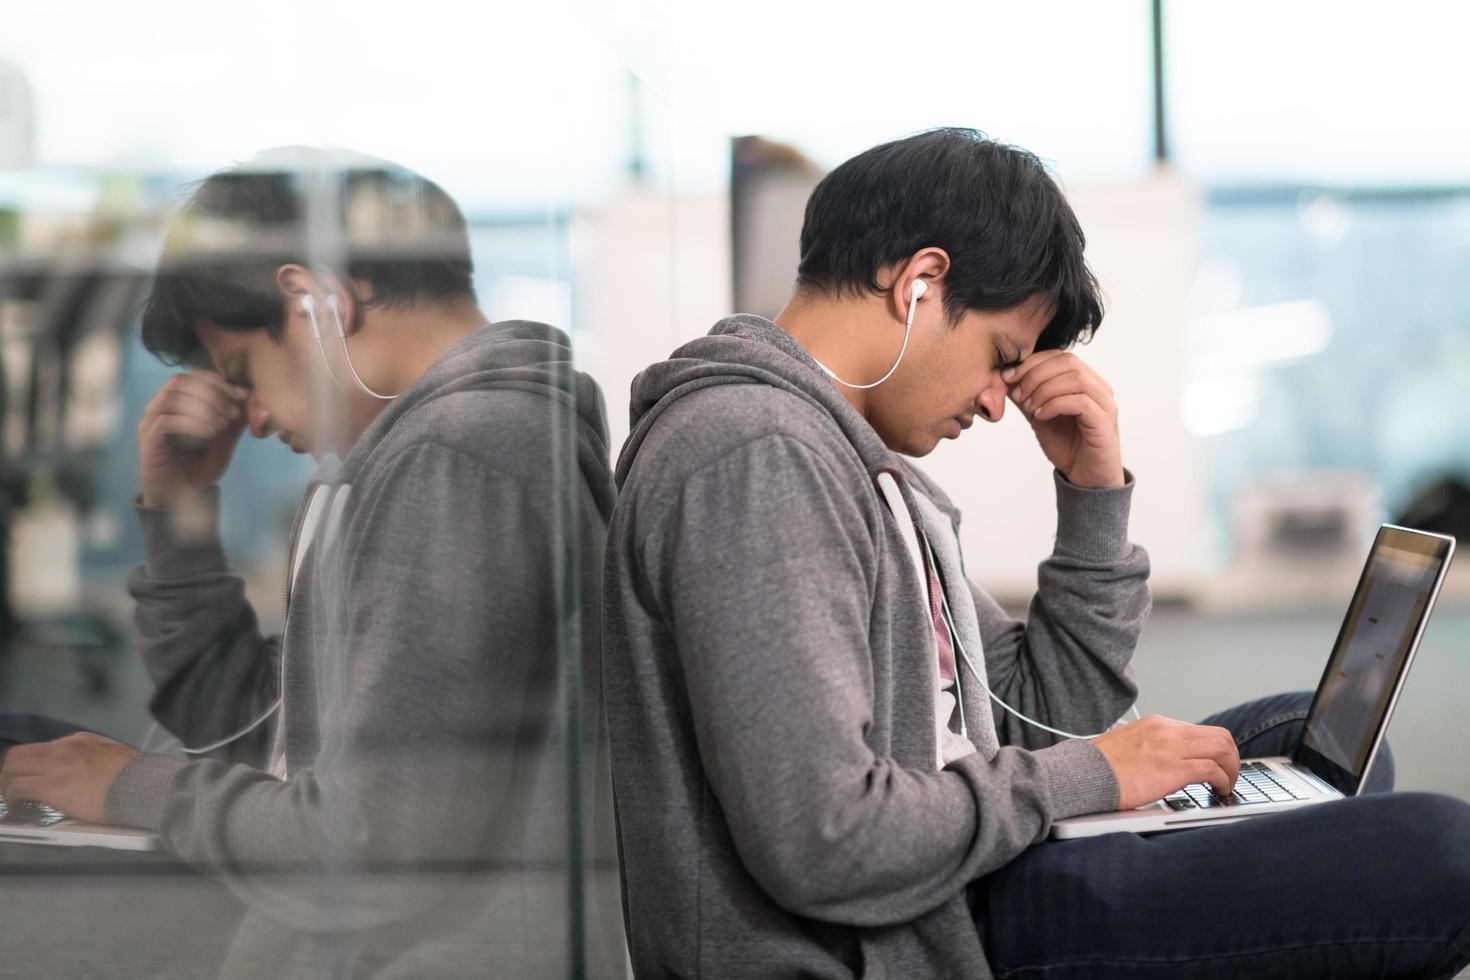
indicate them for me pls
(770, 676)
(445, 809)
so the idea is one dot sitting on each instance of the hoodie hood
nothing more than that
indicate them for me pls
(746, 349)
(518, 355)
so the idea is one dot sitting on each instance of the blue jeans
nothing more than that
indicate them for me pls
(1375, 886)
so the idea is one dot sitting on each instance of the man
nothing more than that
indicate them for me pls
(386, 786)
(811, 777)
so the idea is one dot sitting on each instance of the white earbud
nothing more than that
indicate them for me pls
(336, 316)
(308, 306)
(916, 289)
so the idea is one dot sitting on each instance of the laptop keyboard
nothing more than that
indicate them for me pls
(29, 814)
(1257, 784)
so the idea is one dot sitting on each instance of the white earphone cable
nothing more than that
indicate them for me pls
(308, 306)
(918, 289)
(221, 743)
(960, 646)
(346, 355)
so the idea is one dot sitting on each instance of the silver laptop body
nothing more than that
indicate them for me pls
(1350, 713)
(35, 824)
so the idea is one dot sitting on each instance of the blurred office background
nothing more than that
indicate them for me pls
(1275, 196)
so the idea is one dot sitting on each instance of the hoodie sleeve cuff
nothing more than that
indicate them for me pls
(140, 791)
(1092, 523)
(182, 542)
(1079, 779)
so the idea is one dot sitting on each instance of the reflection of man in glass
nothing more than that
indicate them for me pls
(400, 753)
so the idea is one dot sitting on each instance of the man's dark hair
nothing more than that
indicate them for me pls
(1009, 232)
(359, 218)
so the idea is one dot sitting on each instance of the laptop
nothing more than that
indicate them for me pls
(1349, 714)
(35, 823)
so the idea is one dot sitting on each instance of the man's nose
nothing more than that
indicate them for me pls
(991, 405)
(260, 420)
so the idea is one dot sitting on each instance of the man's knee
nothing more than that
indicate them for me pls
(1266, 726)
(1434, 830)
(1298, 702)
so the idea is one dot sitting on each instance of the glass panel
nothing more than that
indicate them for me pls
(359, 653)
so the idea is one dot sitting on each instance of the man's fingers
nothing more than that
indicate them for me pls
(22, 788)
(1036, 370)
(1220, 751)
(1209, 771)
(1158, 755)
(25, 760)
(216, 392)
(1226, 738)
(183, 402)
(13, 774)
(183, 425)
(217, 380)
(1067, 383)
(1083, 407)
(1221, 782)
(1019, 373)
(206, 386)
(1212, 735)
(209, 387)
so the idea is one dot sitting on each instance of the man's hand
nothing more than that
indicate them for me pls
(1155, 756)
(71, 774)
(1071, 410)
(187, 436)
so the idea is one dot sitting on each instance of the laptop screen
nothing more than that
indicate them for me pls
(1372, 654)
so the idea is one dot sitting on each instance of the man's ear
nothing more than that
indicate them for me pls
(296, 282)
(930, 264)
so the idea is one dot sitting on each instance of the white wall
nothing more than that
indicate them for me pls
(654, 271)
